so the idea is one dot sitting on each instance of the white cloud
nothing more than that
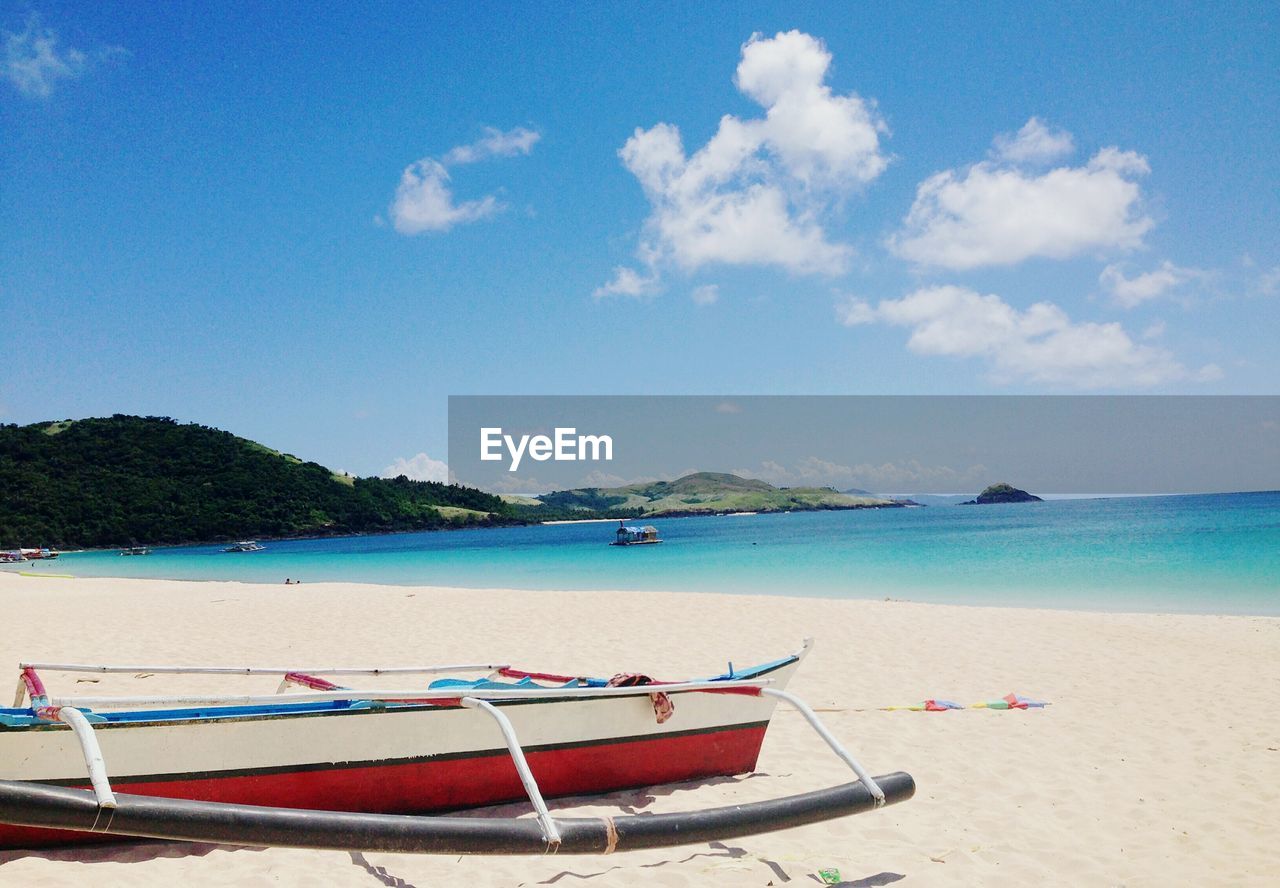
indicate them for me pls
(995, 213)
(758, 191)
(854, 312)
(814, 471)
(418, 468)
(1034, 143)
(424, 201)
(518, 486)
(1269, 282)
(1131, 292)
(1040, 344)
(707, 294)
(628, 282)
(598, 478)
(494, 143)
(35, 64)
(1154, 330)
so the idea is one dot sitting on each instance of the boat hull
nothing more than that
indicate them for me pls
(400, 759)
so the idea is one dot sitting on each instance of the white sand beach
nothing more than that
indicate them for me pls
(1157, 763)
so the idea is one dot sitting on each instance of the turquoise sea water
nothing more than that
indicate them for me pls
(1214, 553)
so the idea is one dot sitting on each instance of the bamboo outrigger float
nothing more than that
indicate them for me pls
(343, 768)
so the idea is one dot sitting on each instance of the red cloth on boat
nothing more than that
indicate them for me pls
(311, 681)
(663, 708)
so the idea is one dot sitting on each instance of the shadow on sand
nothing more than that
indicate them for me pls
(136, 851)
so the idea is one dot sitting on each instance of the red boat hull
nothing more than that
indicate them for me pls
(444, 783)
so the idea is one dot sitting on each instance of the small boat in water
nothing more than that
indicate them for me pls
(635, 536)
(244, 546)
(14, 560)
(42, 553)
(135, 550)
(336, 767)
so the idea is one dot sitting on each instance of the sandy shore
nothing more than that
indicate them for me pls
(1158, 762)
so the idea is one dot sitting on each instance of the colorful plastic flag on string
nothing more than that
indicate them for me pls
(1011, 701)
(1008, 701)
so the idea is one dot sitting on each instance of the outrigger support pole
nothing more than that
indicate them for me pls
(812, 717)
(75, 719)
(549, 830)
(29, 681)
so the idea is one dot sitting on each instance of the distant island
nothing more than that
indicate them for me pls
(701, 493)
(1002, 493)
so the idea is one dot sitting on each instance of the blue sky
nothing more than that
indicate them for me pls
(310, 224)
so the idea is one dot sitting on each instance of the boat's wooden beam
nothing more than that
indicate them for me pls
(549, 831)
(740, 686)
(93, 760)
(812, 718)
(267, 670)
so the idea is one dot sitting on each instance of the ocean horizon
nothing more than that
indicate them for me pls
(1203, 553)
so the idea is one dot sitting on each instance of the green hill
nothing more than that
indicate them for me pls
(148, 480)
(699, 493)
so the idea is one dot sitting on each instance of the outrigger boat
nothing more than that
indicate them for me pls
(14, 561)
(334, 767)
(43, 552)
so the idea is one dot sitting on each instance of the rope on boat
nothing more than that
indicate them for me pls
(549, 830)
(812, 718)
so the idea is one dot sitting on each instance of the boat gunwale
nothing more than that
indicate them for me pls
(355, 705)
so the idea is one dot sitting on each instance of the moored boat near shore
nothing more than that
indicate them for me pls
(14, 560)
(635, 536)
(40, 553)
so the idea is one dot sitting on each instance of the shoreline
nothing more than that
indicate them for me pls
(493, 521)
(154, 585)
(882, 595)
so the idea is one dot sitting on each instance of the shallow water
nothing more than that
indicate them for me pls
(1212, 553)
